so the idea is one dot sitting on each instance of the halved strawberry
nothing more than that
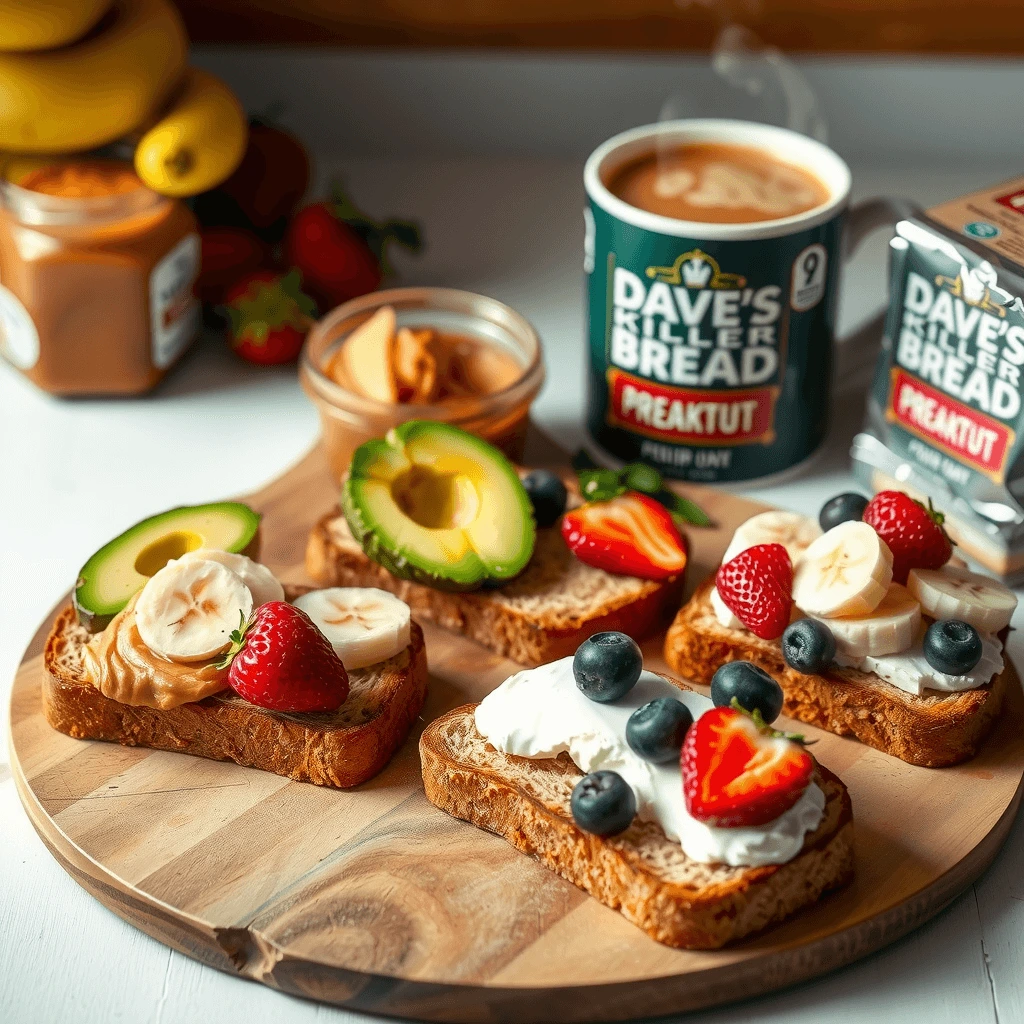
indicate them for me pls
(738, 771)
(632, 535)
(757, 587)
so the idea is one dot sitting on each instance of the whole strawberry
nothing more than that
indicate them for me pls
(737, 771)
(281, 661)
(269, 316)
(914, 534)
(757, 587)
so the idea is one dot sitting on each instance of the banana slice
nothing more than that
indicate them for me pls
(186, 612)
(262, 583)
(795, 532)
(890, 629)
(846, 571)
(723, 612)
(364, 625)
(955, 593)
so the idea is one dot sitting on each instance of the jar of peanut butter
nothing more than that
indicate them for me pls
(96, 278)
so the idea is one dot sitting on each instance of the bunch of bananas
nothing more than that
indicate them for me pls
(76, 75)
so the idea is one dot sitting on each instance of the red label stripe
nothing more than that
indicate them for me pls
(968, 435)
(690, 417)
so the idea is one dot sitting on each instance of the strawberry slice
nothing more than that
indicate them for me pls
(631, 535)
(738, 771)
(757, 587)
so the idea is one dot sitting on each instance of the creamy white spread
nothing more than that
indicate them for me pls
(541, 713)
(911, 672)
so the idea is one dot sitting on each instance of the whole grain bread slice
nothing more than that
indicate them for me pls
(931, 730)
(342, 748)
(542, 615)
(641, 873)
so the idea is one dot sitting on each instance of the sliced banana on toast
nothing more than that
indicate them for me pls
(955, 593)
(187, 611)
(363, 624)
(890, 628)
(845, 572)
(795, 532)
(262, 583)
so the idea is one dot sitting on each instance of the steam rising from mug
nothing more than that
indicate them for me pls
(763, 85)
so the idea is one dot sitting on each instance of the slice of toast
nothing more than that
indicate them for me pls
(932, 730)
(641, 873)
(542, 615)
(341, 748)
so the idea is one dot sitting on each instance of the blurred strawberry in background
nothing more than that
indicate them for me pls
(342, 252)
(258, 246)
(268, 316)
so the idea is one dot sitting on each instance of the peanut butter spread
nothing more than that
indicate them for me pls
(419, 366)
(123, 668)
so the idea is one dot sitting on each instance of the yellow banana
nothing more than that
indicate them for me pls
(198, 141)
(97, 90)
(45, 24)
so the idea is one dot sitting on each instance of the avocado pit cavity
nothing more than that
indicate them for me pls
(438, 501)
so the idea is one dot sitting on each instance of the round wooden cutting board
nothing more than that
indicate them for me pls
(375, 900)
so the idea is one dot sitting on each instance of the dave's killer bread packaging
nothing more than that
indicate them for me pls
(946, 413)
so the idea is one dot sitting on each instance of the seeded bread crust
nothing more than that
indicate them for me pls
(932, 730)
(641, 873)
(342, 748)
(543, 615)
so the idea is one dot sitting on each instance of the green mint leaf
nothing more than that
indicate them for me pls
(638, 476)
(600, 484)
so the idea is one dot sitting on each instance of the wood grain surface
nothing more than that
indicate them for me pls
(810, 26)
(374, 900)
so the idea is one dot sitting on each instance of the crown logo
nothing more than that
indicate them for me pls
(696, 269)
(696, 273)
(975, 287)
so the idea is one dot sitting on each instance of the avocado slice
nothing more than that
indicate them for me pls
(120, 569)
(434, 504)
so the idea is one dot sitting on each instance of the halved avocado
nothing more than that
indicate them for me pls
(434, 504)
(120, 569)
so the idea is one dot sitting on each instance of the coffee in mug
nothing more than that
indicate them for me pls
(717, 182)
(712, 283)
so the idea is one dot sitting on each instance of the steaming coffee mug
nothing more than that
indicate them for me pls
(712, 337)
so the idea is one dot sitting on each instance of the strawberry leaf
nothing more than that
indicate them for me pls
(237, 639)
(688, 511)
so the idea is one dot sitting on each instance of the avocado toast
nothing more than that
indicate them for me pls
(176, 644)
(430, 513)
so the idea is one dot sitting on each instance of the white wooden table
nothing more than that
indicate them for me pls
(73, 474)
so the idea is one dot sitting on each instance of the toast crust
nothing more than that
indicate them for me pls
(341, 749)
(640, 873)
(521, 620)
(933, 730)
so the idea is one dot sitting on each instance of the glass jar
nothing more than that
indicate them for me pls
(349, 419)
(96, 290)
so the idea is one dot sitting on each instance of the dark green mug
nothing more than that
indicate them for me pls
(712, 344)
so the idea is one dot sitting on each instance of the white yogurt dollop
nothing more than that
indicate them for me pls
(911, 672)
(541, 713)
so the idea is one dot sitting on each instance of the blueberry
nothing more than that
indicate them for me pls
(842, 509)
(752, 687)
(547, 494)
(603, 803)
(952, 647)
(808, 646)
(657, 730)
(607, 666)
